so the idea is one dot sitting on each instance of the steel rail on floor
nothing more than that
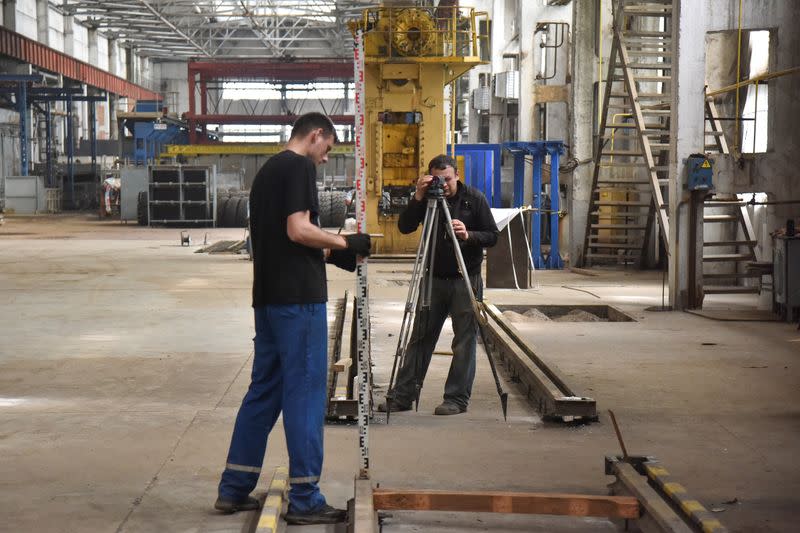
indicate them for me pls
(543, 383)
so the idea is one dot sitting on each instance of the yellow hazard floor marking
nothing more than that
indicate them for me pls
(657, 471)
(268, 522)
(709, 526)
(275, 500)
(674, 488)
(273, 504)
(692, 506)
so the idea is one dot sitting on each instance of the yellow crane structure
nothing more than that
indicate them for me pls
(410, 55)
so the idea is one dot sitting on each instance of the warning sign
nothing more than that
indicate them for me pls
(705, 164)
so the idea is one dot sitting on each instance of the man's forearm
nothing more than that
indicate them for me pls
(312, 236)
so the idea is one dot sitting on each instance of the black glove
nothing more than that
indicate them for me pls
(344, 259)
(358, 243)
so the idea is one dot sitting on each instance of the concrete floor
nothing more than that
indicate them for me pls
(124, 356)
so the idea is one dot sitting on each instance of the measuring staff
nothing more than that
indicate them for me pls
(289, 299)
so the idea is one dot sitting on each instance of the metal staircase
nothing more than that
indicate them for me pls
(629, 185)
(732, 212)
(731, 252)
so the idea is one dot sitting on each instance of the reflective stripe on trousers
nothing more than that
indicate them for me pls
(289, 375)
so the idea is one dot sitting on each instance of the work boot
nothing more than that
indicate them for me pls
(396, 407)
(448, 408)
(324, 515)
(231, 506)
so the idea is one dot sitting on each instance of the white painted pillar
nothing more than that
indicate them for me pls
(526, 18)
(687, 137)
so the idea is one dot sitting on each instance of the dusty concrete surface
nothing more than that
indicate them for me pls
(123, 358)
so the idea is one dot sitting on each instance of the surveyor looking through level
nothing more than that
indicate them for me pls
(289, 300)
(475, 229)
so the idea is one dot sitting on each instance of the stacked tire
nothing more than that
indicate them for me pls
(141, 208)
(332, 208)
(232, 212)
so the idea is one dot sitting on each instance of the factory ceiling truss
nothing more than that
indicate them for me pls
(220, 29)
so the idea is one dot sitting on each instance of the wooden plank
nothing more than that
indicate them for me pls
(506, 502)
(342, 365)
(543, 94)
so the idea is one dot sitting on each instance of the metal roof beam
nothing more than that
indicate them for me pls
(174, 28)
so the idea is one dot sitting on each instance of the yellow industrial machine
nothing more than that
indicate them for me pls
(411, 54)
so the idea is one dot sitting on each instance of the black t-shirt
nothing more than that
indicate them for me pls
(285, 272)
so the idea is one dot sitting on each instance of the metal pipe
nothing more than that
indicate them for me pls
(48, 144)
(756, 79)
(93, 135)
(22, 108)
(70, 152)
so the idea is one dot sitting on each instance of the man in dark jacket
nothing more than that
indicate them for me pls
(475, 230)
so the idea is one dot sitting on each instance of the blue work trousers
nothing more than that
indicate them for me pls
(289, 375)
(448, 297)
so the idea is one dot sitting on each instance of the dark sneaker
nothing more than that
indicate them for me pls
(396, 408)
(449, 409)
(324, 515)
(231, 506)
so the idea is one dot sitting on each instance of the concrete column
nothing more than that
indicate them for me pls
(686, 137)
(498, 44)
(527, 12)
(113, 56)
(113, 128)
(581, 141)
(69, 35)
(43, 22)
(92, 39)
(10, 14)
(143, 65)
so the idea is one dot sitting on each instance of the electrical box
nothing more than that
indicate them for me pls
(786, 277)
(700, 173)
(480, 99)
(506, 85)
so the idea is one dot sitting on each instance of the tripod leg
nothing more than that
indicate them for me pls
(412, 301)
(428, 282)
(482, 321)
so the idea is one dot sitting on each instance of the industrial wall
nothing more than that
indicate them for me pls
(773, 172)
(702, 50)
(40, 21)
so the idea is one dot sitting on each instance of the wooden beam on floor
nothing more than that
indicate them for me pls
(506, 502)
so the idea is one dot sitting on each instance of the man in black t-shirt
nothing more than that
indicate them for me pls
(475, 230)
(289, 300)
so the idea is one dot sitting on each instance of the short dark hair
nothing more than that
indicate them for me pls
(309, 122)
(441, 162)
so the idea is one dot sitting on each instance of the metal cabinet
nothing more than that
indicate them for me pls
(786, 277)
(181, 194)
